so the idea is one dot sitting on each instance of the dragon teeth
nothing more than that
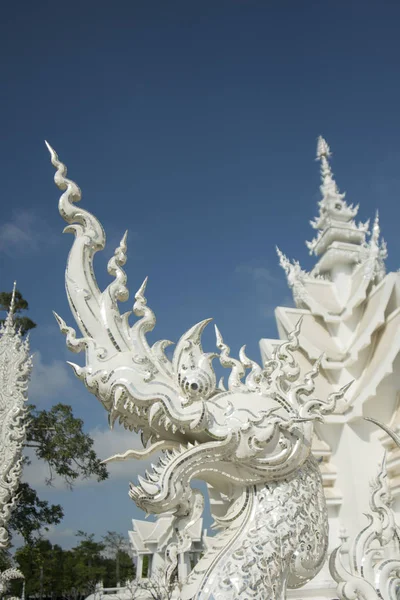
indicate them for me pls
(154, 409)
(145, 438)
(150, 488)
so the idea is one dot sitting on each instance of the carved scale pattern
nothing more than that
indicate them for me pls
(282, 540)
(250, 441)
(15, 368)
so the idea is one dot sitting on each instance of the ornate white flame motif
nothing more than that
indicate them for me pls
(250, 441)
(15, 368)
(373, 572)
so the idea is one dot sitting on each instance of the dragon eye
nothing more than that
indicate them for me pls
(194, 386)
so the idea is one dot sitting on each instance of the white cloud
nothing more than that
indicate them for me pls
(260, 274)
(106, 444)
(268, 288)
(25, 232)
(109, 442)
(48, 381)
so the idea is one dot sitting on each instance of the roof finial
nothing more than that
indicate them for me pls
(323, 148)
(9, 320)
(12, 303)
(376, 230)
(328, 186)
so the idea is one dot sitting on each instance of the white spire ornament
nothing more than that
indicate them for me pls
(250, 442)
(374, 254)
(335, 222)
(15, 368)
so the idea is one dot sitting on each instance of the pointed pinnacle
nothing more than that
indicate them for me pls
(344, 388)
(395, 437)
(322, 148)
(60, 321)
(140, 293)
(76, 368)
(220, 341)
(53, 154)
(319, 360)
(10, 314)
(124, 238)
(297, 328)
(49, 148)
(12, 303)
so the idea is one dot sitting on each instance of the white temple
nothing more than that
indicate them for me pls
(250, 442)
(150, 539)
(351, 314)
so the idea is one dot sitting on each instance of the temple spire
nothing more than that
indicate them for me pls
(328, 184)
(332, 206)
(9, 320)
(339, 238)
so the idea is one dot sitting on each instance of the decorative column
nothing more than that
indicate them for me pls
(350, 309)
(15, 368)
(371, 569)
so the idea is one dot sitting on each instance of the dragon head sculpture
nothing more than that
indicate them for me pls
(254, 431)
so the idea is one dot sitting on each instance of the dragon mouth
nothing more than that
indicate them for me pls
(151, 486)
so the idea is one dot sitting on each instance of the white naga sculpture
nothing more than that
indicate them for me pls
(250, 441)
(372, 571)
(15, 368)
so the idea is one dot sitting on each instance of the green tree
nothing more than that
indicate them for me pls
(43, 567)
(116, 545)
(90, 568)
(72, 574)
(23, 322)
(127, 568)
(57, 437)
(31, 514)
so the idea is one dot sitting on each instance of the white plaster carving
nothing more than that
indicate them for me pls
(15, 368)
(152, 538)
(250, 441)
(372, 568)
(353, 315)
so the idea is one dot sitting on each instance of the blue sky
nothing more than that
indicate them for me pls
(193, 124)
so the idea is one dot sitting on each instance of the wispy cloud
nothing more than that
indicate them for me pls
(259, 274)
(23, 233)
(49, 381)
(269, 288)
(106, 443)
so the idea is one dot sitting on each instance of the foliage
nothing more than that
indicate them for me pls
(57, 437)
(53, 572)
(157, 588)
(116, 544)
(31, 514)
(23, 322)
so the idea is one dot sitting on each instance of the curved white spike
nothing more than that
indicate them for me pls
(83, 292)
(150, 488)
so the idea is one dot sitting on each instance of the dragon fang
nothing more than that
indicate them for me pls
(250, 442)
